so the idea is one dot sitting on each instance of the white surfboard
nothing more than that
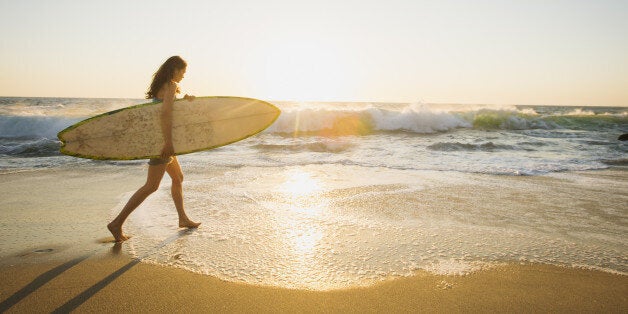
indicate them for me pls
(135, 132)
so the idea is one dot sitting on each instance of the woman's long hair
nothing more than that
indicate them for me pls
(165, 74)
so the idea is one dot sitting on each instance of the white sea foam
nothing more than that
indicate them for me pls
(455, 267)
(416, 118)
(580, 112)
(419, 118)
(327, 227)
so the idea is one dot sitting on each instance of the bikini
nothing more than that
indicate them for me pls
(159, 161)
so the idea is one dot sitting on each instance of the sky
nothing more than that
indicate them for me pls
(546, 52)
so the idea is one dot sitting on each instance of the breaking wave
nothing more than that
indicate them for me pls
(423, 119)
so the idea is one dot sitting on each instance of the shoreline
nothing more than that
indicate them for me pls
(76, 268)
(116, 283)
(67, 209)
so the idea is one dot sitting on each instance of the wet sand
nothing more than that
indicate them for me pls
(120, 284)
(64, 209)
(47, 264)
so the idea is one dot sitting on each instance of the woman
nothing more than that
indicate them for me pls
(163, 88)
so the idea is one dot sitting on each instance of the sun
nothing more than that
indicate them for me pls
(302, 70)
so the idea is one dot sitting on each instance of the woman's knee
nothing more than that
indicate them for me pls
(177, 179)
(150, 187)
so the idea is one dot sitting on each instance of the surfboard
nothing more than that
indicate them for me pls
(135, 132)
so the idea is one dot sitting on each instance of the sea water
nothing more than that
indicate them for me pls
(336, 194)
(511, 140)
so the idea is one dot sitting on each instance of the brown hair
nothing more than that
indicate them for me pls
(165, 74)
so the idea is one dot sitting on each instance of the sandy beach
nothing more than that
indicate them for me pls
(72, 266)
(120, 284)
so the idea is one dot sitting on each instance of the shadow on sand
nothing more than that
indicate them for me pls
(38, 282)
(89, 292)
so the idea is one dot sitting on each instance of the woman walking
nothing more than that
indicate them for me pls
(164, 87)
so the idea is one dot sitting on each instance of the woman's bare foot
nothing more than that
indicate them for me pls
(116, 231)
(187, 223)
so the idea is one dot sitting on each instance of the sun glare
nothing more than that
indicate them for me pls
(305, 237)
(305, 206)
(300, 184)
(303, 70)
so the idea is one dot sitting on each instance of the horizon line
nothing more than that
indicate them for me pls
(346, 101)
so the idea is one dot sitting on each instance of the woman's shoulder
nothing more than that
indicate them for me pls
(169, 87)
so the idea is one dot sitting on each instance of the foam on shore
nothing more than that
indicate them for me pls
(324, 227)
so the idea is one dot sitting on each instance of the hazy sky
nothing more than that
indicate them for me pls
(503, 52)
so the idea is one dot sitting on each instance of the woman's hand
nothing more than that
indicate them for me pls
(189, 97)
(167, 151)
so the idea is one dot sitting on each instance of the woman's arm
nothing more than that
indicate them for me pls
(166, 119)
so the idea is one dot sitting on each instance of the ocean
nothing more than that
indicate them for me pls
(340, 194)
(501, 140)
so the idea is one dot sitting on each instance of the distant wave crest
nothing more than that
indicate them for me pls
(338, 122)
(422, 119)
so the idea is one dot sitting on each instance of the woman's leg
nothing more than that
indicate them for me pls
(155, 173)
(175, 172)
